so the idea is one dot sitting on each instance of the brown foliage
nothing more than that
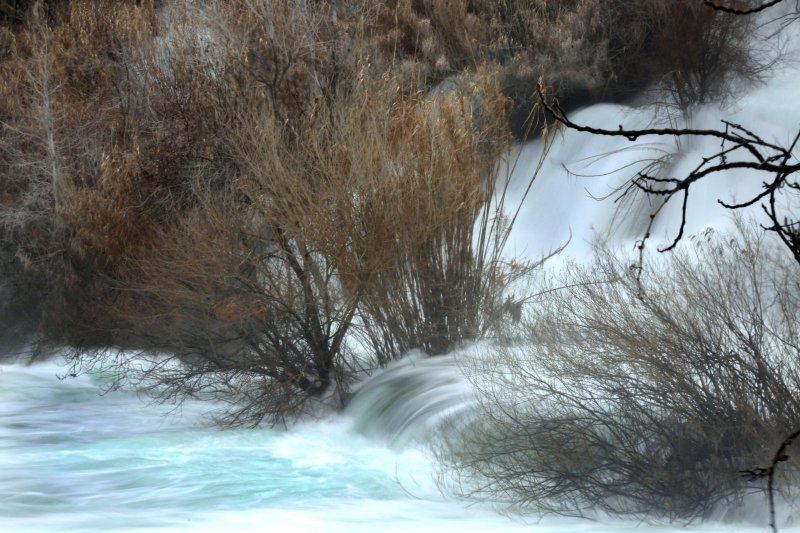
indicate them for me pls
(444, 280)
(58, 112)
(253, 292)
(590, 50)
(128, 126)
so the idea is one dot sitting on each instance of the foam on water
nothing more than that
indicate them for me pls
(573, 194)
(75, 460)
(72, 459)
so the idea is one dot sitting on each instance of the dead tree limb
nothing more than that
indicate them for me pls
(740, 148)
(740, 11)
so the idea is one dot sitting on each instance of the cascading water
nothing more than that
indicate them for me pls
(573, 197)
(410, 399)
(73, 460)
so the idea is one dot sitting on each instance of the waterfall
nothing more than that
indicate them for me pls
(73, 458)
(407, 401)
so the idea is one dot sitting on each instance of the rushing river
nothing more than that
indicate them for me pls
(74, 459)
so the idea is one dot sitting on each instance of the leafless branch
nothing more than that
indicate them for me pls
(739, 11)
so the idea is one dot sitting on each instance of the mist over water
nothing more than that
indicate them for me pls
(74, 459)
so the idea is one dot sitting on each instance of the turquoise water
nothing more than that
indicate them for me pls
(74, 459)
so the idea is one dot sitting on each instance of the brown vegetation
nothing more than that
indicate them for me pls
(254, 288)
(241, 184)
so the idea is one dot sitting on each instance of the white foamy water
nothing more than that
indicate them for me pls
(573, 194)
(74, 460)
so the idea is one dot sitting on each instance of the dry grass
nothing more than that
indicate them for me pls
(313, 129)
(256, 288)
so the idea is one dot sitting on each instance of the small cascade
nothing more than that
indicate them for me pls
(405, 402)
(575, 197)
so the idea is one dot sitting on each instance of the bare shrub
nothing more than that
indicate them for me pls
(686, 48)
(443, 212)
(108, 111)
(641, 397)
(252, 294)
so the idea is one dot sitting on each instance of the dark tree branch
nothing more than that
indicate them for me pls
(769, 472)
(737, 11)
(759, 155)
(763, 156)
